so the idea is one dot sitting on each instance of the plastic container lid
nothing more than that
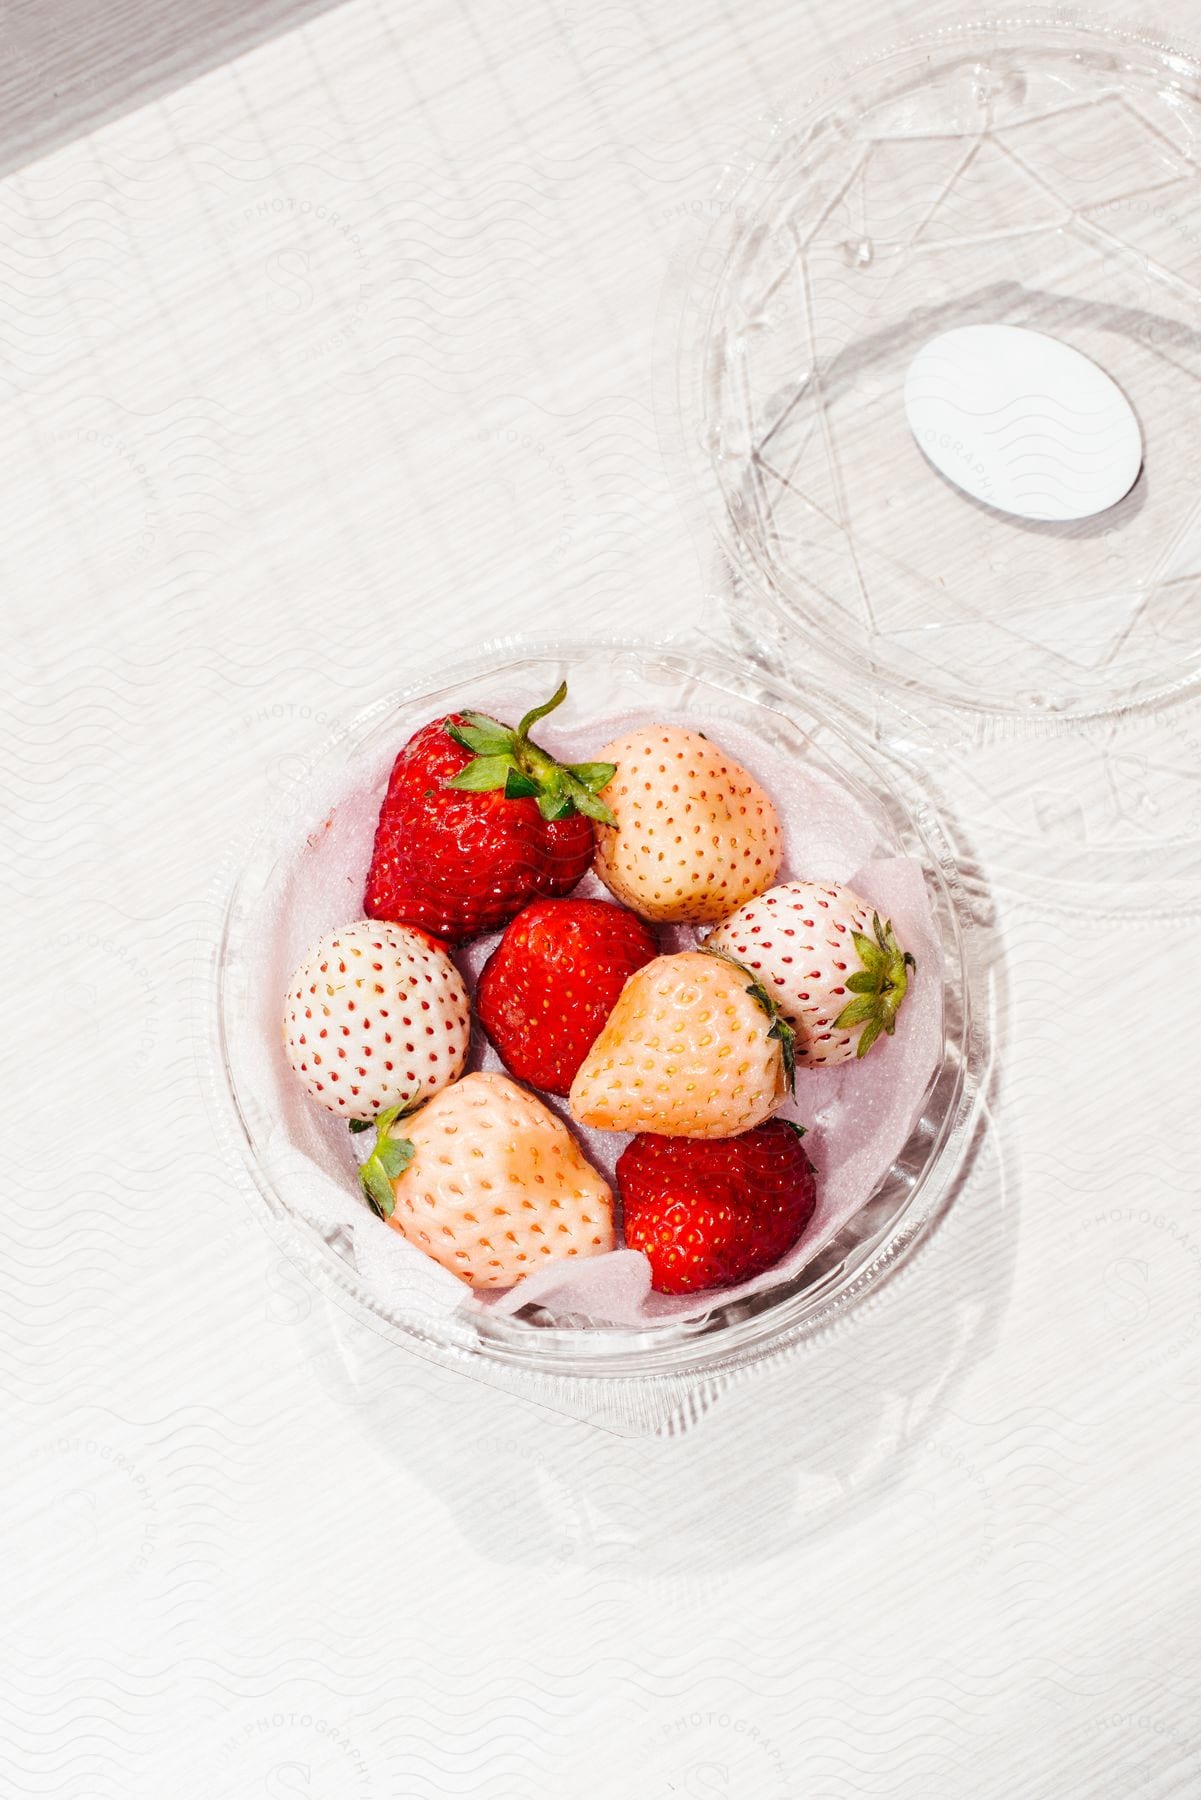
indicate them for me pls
(1037, 173)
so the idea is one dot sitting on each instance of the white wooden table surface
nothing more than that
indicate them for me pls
(339, 360)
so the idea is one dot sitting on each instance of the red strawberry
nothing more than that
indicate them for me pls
(709, 1212)
(552, 981)
(476, 822)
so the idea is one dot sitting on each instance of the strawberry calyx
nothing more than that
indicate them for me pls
(879, 986)
(509, 759)
(389, 1157)
(780, 1031)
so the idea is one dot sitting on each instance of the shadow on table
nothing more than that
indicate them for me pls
(799, 1446)
(73, 66)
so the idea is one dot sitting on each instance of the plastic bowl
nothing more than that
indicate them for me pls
(607, 683)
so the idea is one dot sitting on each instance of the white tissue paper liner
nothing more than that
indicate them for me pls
(858, 1116)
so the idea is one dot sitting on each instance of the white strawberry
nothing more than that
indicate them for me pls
(693, 1048)
(695, 835)
(835, 971)
(376, 1016)
(487, 1181)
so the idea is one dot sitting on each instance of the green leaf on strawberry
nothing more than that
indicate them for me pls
(389, 1158)
(394, 1156)
(583, 798)
(593, 776)
(482, 736)
(879, 987)
(857, 1012)
(870, 954)
(509, 759)
(480, 776)
(785, 1036)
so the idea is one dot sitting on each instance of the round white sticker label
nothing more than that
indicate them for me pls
(1023, 422)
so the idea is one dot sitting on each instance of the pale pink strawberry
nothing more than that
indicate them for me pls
(487, 1181)
(835, 970)
(376, 1016)
(695, 835)
(693, 1048)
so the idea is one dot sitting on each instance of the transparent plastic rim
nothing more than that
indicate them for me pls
(692, 294)
(734, 1334)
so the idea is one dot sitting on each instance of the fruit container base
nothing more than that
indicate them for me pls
(274, 905)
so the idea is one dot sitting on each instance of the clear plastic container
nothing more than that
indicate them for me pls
(1037, 171)
(1033, 171)
(555, 1360)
